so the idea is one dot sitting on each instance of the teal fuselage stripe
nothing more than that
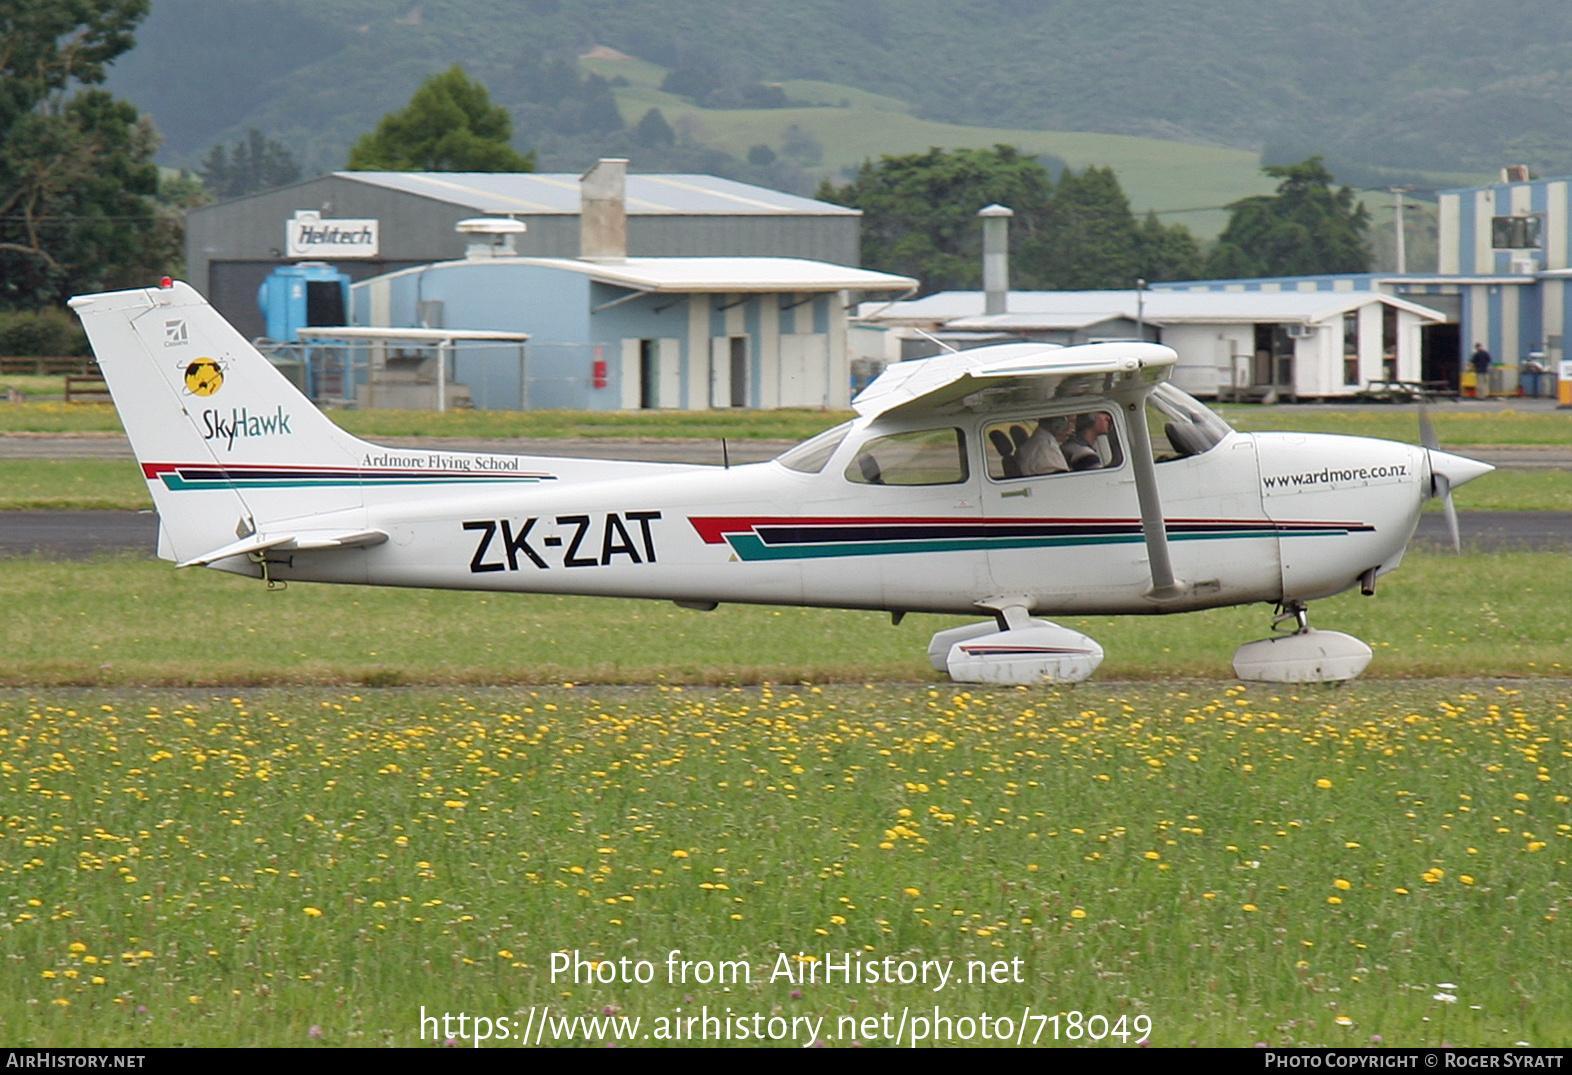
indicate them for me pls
(751, 547)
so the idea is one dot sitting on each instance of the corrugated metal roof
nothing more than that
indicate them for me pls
(544, 193)
(1052, 309)
(722, 275)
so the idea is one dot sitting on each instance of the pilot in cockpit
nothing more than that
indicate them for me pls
(1081, 450)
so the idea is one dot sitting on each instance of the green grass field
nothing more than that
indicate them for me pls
(1456, 429)
(1191, 862)
(139, 621)
(54, 417)
(96, 484)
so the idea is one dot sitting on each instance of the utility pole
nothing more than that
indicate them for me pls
(1397, 223)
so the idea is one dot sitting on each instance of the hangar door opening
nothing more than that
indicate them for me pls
(651, 374)
(729, 371)
(1441, 353)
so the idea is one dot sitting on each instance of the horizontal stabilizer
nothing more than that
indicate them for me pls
(300, 541)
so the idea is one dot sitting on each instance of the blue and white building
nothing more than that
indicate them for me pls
(1505, 257)
(612, 332)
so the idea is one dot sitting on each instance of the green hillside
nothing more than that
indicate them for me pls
(1182, 97)
(1156, 174)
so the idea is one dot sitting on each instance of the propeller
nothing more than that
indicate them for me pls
(1440, 484)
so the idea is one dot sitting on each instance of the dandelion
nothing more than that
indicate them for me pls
(1078, 913)
(1467, 879)
(1250, 907)
(679, 854)
(312, 912)
(913, 892)
(1342, 884)
(1323, 783)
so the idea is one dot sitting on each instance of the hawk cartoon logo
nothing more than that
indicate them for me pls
(204, 377)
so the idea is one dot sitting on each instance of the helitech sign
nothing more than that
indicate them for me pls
(309, 236)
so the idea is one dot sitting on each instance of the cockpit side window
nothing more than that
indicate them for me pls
(810, 456)
(919, 457)
(1052, 444)
(1181, 425)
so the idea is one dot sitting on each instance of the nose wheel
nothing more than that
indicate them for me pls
(1298, 653)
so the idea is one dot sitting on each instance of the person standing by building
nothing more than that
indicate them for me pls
(1480, 360)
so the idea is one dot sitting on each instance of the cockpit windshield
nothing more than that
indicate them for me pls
(810, 456)
(1181, 425)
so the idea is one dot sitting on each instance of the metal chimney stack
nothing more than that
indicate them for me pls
(603, 212)
(996, 257)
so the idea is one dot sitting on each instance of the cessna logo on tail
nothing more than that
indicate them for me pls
(241, 423)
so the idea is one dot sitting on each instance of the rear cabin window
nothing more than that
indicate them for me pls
(1052, 444)
(921, 457)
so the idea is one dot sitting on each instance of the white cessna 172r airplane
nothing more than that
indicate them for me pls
(1016, 481)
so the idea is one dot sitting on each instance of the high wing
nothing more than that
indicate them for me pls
(1013, 374)
(1016, 374)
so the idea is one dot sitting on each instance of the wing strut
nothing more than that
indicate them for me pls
(1164, 586)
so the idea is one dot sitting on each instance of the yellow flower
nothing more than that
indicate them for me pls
(1153, 855)
(1466, 879)
(312, 912)
(1342, 884)
(1343, 1020)
(679, 854)
(1250, 907)
(914, 892)
(1323, 783)
(1334, 899)
(76, 946)
(1078, 913)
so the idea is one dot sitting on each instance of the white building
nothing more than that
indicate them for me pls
(1231, 344)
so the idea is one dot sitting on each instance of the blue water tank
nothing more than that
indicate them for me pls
(303, 295)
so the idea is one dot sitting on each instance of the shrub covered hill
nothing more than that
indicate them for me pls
(1437, 85)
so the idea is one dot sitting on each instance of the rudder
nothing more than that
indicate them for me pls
(224, 440)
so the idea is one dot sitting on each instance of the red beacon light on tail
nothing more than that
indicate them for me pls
(166, 282)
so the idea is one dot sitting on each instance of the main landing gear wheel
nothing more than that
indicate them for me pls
(1303, 655)
(1026, 652)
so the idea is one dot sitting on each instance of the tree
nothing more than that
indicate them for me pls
(920, 211)
(255, 163)
(450, 125)
(1305, 228)
(653, 130)
(77, 180)
(919, 219)
(1091, 238)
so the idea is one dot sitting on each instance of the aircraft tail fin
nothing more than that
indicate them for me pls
(225, 441)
